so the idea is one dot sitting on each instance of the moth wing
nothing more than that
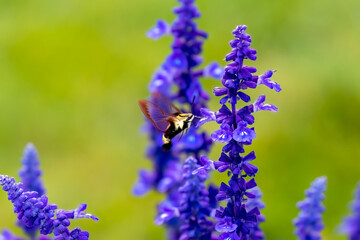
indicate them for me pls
(164, 103)
(156, 115)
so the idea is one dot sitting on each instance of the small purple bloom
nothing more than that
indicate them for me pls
(214, 70)
(309, 221)
(225, 225)
(166, 213)
(177, 60)
(208, 116)
(265, 80)
(244, 134)
(260, 105)
(224, 134)
(161, 28)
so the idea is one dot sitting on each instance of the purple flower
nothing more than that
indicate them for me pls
(225, 225)
(161, 28)
(260, 105)
(179, 71)
(207, 116)
(350, 225)
(309, 221)
(193, 209)
(243, 134)
(265, 80)
(33, 211)
(238, 219)
(166, 213)
(178, 79)
(224, 134)
(214, 70)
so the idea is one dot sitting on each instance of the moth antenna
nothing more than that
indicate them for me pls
(192, 103)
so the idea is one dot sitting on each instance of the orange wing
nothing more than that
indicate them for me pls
(156, 115)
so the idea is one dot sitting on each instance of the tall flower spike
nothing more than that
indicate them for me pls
(351, 224)
(239, 219)
(178, 80)
(33, 211)
(194, 208)
(309, 221)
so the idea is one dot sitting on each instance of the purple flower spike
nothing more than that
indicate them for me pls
(30, 173)
(350, 225)
(194, 206)
(34, 212)
(178, 79)
(161, 28)
(309, 221)
(240, 218)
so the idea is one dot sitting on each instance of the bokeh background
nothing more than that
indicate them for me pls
(71, 72)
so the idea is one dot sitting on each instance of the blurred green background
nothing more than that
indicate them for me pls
(71, 72)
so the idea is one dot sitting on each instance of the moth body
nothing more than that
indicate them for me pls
(167, 119)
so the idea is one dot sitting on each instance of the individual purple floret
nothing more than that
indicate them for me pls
(161, 28)
(351, 224)
(33, 211)
(309, 221)
(237, 220)
(194, 208)
(30, 173)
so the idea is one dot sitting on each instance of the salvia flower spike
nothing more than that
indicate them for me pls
(194, 208)
(351, 224)
(31, 205)
(33, 211)
(179, 71)
(309, 222)
(178, 79)
(237, 220)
